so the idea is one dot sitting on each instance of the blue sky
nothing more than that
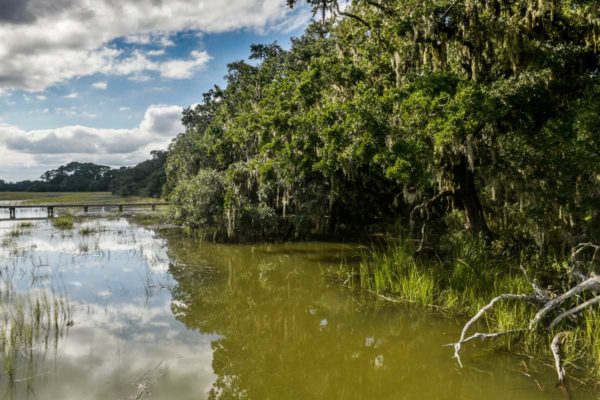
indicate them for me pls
(91, 81)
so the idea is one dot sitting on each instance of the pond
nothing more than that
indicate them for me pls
(115, 310)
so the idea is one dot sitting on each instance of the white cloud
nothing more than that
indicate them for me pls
(123, 109)
(74, 112)
(137, 65)
(40, 97)
(155, 53)
(49, 44)
(100, 85)
(72, 95)
(39, 150)
(183, 69)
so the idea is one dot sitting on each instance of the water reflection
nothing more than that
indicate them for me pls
(123, 336)
(287, 330)
(158, 316)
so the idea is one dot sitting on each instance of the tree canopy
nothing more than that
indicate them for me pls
(479, 115)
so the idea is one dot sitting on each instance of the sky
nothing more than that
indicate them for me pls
(105, 81)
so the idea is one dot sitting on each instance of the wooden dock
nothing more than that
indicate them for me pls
(86, 207)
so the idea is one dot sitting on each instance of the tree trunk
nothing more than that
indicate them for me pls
(468, 199)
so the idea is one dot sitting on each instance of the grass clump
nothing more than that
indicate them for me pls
(64, 222)
(465, 278)
(16, 232)
(20, 229)
(87, 231)
(29, 324)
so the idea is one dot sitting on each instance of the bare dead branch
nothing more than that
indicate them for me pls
(589, 284)
(427, 204)
(548, 302)
(581, 247)
(542, 294)
(556, 352)
(574, 310)
(423, 237)
(463, 339)
(449, 9)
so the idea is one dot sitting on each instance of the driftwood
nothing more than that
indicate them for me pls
(558, 363)
(547, 303)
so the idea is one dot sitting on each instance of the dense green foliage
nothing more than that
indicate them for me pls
(145, 179)
(484, 113)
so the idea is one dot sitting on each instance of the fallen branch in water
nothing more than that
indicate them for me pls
(400, 300)
(558, 363)
(574, 311)
(463, 339)
(589, 284)
(547, 303)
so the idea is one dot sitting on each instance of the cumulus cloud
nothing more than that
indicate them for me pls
(46, 42)
(100, 85)
(137, 65)
(155, 53)
(42, 149)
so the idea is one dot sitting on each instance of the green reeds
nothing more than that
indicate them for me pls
(27, 325)
(64, 222)
(87, 231)
(467, 280)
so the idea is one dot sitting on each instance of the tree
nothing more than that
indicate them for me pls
(472, 110)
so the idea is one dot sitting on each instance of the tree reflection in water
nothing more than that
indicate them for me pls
(287, 330)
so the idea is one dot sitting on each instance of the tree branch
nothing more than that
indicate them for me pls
(589, 284)
(463, 339)
(558, 363)
(350, 15)
(380, 7)
(427, 204)
(449, 9)
(573, 311)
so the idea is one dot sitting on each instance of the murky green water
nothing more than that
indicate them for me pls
(153, 315)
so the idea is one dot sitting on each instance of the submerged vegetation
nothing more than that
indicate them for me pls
(473, 123)
(31, 323)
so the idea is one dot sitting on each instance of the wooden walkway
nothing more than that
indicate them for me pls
(86, 207)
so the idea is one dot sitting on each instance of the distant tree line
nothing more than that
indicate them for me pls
(145, 179)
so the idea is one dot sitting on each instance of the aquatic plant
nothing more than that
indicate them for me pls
(506, 302)
(87, 231)
(64, 222)
(29, 325)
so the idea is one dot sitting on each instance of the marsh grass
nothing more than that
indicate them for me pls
(20, 229)
(88, 231)
(30, 325)
(466, 281)
(64, 222)
(69, 197)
